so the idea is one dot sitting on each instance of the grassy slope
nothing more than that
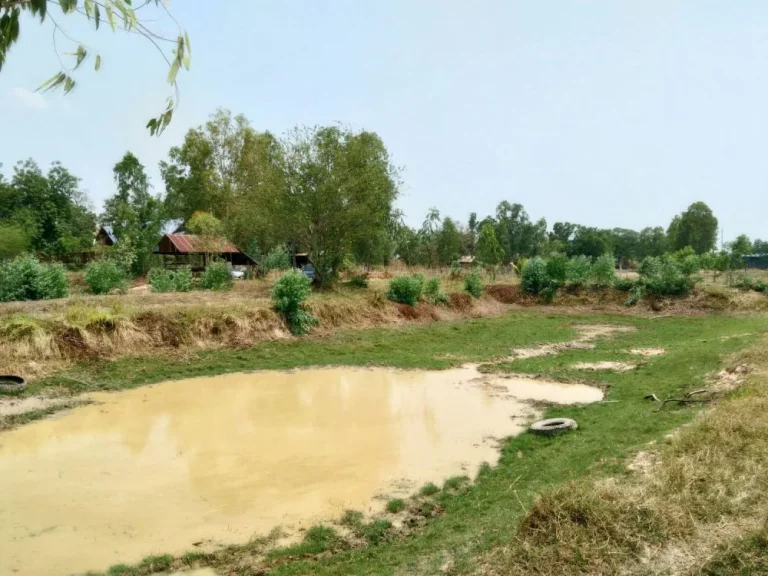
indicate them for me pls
(487, 515)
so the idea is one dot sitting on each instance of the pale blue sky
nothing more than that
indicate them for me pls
(605, 113)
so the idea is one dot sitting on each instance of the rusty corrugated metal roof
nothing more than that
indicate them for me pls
(192, 244)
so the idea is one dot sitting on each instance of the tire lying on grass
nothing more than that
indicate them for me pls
(10, 384)
(553, 426)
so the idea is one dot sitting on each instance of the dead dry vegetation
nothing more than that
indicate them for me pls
(39, 338)
(695, 505)
(47, 340)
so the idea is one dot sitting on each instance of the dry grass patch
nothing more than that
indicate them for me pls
(706, 484)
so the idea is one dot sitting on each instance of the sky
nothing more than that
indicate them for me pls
(603, 113)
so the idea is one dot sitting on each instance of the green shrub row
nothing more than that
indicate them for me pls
(217, 276)
(164, 280)
(26, 278)
(749, 283)
(543, 276)
(410, 289)
(105, 276)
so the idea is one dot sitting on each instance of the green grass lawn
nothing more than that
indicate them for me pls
(485, 515)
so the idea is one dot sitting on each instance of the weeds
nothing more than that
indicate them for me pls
(216, 277)
(288, 295)
(473, 284)
(358, 281)
(395, 505)
(317, 540)
(406, 289)
(105, 276)
(351, 518)
(377, 531)
(163, 280)
(455, 482)
(429, 489)
(434, 294)
(25, 278)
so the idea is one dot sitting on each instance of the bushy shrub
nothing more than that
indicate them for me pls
(288, 294)
(650, 267)
(216, 277)
(279, 258)
(665, 277)
(577, 271)
(162, 280)
(26, 278)
(556, 267)
(104, 276)
(534, 276)
(473, 284)
(395, 505)
(456, 270)
(358, 281)
(624, 284)
(690, 264)
(377, 531)
(406, 289)
(603, 272)
(744, 282)
(182, 279)
(434, 294)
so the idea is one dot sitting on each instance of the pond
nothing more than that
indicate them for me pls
(211, 461)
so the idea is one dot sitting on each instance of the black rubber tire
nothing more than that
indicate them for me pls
(11, 384)
(553, 426)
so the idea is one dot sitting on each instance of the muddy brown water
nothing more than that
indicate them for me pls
(218, 460)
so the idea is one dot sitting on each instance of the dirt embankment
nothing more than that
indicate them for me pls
(39, 338)
(698, 302)
(34, 345)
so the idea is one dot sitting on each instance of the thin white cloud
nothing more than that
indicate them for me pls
(29, 99)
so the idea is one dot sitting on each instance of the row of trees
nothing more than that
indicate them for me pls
(46, 213)
(330, 191)
(441, 241)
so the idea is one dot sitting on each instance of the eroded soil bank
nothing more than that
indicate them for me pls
(210, 461)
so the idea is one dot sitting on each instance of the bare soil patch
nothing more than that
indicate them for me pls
(604, 365)
(587, 334)
(648, 352)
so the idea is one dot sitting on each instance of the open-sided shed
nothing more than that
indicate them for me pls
(195, 251)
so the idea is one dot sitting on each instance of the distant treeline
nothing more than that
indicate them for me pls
(329, 191)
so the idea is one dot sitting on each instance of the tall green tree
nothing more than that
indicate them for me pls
(340, 186)
(696, 227)
(517, 235)
(563, 232)
(591, 242)
(136, 216)
(625, 244)
(118, 14)
(652, 242)
(448, 242)
(50, 209)
(429, 232)
(489, 251)
(741, 246)
(230, 170)
(13, 241)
